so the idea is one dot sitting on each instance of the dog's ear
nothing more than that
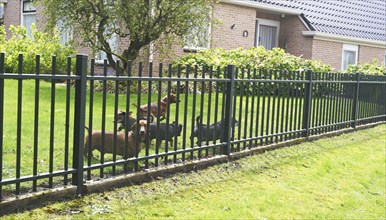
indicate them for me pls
(130, 112)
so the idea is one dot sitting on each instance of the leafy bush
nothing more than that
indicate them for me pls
(373, 68)
(259, 57)
(248, 59)
(45, 44)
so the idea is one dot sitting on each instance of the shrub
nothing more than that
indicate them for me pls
(45, 44)
(373, 68)
(259, 57)
(248, 59)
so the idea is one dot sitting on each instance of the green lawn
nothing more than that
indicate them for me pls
(28, 109)
(59, 160)
(336, 178)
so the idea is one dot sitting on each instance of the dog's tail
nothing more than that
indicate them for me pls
(198, 120)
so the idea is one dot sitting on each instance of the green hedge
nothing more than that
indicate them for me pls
(45, 44)
(373, 68)
(258, 57)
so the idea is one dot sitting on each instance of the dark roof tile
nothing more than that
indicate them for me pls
(363, 19)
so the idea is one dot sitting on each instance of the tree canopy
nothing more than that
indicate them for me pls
(142, 21)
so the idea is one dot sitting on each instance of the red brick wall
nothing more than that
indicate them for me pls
(328, 52)
(367, 54)
(242, 18)
(12, 14)
(292, 39)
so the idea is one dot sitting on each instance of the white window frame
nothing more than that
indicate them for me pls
(2, 6)
(64, 33)
(352, 48)
(23, 13)
(209, 36)
(384, 61)
(272, 23)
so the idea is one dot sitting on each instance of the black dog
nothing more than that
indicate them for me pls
(121, 116)
(120, 119)
(211, 132)
(165, 132)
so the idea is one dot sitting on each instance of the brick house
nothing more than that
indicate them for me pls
(335, 32)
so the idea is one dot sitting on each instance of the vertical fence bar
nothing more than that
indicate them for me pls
(126, 151)
(241, 94)
(67, 123)
(194, 110)
(2, 70)
(354, 115)
(269, 107)
(104, 91)
(278, 113)
(258, 93)
(177, 112)
(36, 125)
(209, 101)
(90, 118)
(216, 105)
(307, 104)
(287, 98)
(247, 84)
(169, 85)
(228, 109)
(292, 94)
(253, 109)
(139, 88)
(274, 85)
(19, 120)
(116, 91)
(157, 143)
(185, 110)
(147, 143)
(264, 95)
(52, 123)
(79, 122)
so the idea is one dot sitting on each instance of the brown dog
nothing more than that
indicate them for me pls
(154, 106)
(133, 139)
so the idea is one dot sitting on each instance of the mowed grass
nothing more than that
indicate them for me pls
(336, 178)
(58, 141)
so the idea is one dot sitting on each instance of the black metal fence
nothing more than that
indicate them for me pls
(43, 145)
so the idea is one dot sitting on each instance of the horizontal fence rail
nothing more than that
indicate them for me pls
(88, 125)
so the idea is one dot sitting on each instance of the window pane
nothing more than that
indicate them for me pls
(267, 36)
(348, 58)
(113, 41)
(1, 13)
(28, 19)
(28, 6)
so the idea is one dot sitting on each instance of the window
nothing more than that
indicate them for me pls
(28, 15)
(199, 36)
(65, 33)
(349, 55)
(1, 13)
(101, 55)
(267, 32)
(385, 60)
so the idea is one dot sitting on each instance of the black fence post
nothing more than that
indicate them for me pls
(2, 70)
(354, 115)
(79, 122)
(229, 90)
(307, 104)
